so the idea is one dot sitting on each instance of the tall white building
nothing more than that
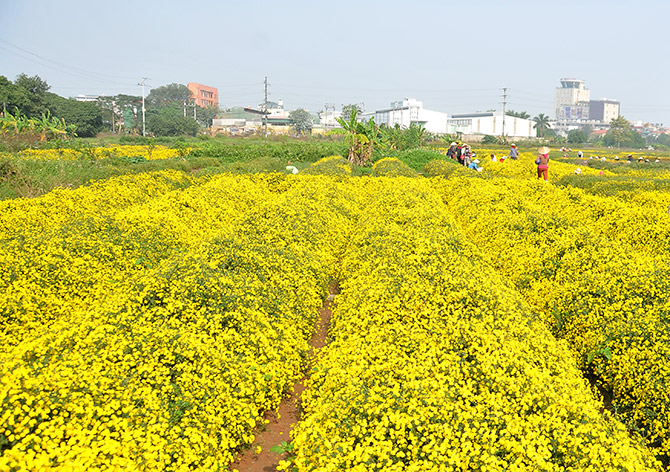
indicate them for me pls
(571, 100)
(404, 113)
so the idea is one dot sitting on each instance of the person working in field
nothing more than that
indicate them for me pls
(542, 162)
(514, 152)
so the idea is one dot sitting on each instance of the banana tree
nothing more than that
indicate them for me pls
(360, 137)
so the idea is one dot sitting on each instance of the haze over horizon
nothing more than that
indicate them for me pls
(455, 57)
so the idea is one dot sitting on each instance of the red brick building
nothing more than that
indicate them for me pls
(204, 96)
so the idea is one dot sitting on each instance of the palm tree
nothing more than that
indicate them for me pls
(541, 124)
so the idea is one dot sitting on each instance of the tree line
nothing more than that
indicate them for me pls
(170, 109)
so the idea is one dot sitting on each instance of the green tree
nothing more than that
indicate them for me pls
(541, 124)
(518, 114)
(117, 109)
(577, 136)
(35, 90)
(663, 140)
(205, 115)
(85, 116)
(301, 120)
(619, 128)
(347, 110)
(361, 138)
(12, 97)
(172, 95)
(170, 121)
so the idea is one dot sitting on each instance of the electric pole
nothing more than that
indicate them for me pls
(144, 129)
(265, 107)
(504, 104)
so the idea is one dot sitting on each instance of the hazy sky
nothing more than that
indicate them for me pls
(455, 56)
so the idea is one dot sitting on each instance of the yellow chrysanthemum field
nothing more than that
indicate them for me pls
(486, 321)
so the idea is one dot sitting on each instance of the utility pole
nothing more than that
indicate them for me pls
(144, 129)
(504, 104)
(265, 107)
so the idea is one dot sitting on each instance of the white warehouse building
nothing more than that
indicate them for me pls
(492, 124)
(410, 111)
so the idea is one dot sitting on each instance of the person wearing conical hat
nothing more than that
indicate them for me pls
(542, 162)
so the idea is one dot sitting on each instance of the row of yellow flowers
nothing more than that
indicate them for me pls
(154, 336)
(436, 364)
(153, 152)
(596, 268)
(148, 324)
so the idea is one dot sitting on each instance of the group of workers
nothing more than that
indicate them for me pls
(464, 154)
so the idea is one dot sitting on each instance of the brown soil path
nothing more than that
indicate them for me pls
(279, 427)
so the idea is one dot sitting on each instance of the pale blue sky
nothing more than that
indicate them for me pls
(455, 56)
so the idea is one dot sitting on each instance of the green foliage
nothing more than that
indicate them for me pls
(417, 158)
(619, 128)
(360, 137)
(85, 116)
(301, 120)
(347, 111)
(488, 139)
(621, 134)
(121, 112)
(34, 91)
(577, 136)
(19, 132)
(518, 114)
(541, 124)
(397, 138)
(283, 447)
(170, 121)
(233, 150)
(172, 95)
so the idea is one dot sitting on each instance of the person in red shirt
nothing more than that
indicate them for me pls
(542, 162)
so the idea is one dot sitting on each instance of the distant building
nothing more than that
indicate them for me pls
(603, 110)
(204, 95)
(491, 123)
(571, 101)
(86, 98)
(410, 111)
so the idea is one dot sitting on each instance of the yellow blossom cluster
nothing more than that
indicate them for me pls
(149, 321)
(155, 332)
(330, 165)
(392, 167)
(435, 363)
(596, 270)
(148, 152)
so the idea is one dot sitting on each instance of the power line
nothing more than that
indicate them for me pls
(75, 71)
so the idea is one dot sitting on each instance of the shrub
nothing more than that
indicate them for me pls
(444, 167)
(392, 167)
(331, 165)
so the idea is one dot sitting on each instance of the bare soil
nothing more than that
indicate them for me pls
(279, 427)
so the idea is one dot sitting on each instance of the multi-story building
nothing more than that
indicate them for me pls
(571, 101)
(603, 110)
(204, 95)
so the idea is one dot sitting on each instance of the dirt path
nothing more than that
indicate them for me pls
(279, 427)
